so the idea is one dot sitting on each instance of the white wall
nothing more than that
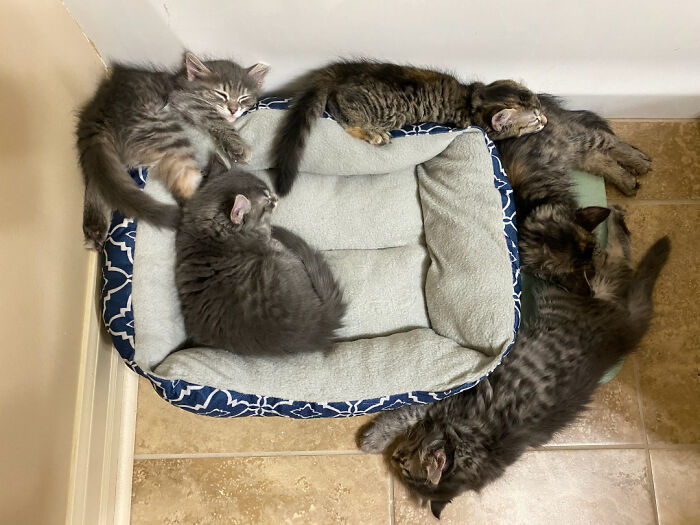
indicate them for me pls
(622, 58)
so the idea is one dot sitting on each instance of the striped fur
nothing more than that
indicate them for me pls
(141, 117)
(555, 241)
(466, 441)
(369, 99)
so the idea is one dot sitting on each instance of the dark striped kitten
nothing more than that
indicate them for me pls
(159, 119)
(244, 285)
(370, 99)
(555, 239)
(466, 441)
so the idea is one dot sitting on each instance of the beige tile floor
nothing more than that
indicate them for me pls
(634, 458)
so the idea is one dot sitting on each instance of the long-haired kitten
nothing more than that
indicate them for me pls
(468, 440)
(369, 99)
(142, 117)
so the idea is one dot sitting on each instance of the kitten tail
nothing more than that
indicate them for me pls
(325, 285)
(292, 134)
(639, 298)
(107, 183)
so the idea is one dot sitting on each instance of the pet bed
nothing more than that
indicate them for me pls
(421, 235)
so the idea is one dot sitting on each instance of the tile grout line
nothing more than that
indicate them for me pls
(392, 518)
(252, 454)
(654, 501)
(620, 446)
(652, 202)
(647, 453)
(287, 453)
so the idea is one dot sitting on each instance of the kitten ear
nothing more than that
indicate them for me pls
(241, 207)
(258, 73)
(589, 218)
(436, 507)
(195, 67)
(436, 466)
(501, 118)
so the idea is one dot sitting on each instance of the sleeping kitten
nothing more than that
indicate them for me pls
(466, 441)
(154, 118)
(370, 99)
(244, 285)
(555, 240)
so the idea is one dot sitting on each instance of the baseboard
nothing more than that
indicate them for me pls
(103, 450)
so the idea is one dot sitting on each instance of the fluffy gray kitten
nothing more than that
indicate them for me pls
(244, 285)
(141, 117)
(466, 441)
(369, 99)
(555, 239)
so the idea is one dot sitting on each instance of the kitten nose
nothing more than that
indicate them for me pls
(272, 199)
(543, 119)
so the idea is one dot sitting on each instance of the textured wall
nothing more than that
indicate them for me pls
(625, 59)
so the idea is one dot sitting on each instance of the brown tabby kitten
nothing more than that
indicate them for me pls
(370, 99)
(554, 238)
(159, 119)
(246, 286)
(466, 441)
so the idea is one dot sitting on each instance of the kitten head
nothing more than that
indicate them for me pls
(425, 461)
(506, 109)
(222, 87)
(561, 246)
(232, 202)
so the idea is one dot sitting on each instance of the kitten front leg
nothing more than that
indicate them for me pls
(379, 433)
(630, 158)
(604, 166)
(232, 145)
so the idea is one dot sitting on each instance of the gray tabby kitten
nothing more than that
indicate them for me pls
(159, 119)
(555, 239)
(244, 285)
(466, 441)
(369, 99)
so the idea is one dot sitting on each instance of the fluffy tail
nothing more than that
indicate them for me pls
(107, 184)
(327, 288)
(293, 132)
(639, 298)
(320, 275)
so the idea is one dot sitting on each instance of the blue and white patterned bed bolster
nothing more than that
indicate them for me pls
(118, 315)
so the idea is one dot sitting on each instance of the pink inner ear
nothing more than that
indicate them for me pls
(436, 467)
(195, 67)
(241, 207)
(258, 73)
(501, 118)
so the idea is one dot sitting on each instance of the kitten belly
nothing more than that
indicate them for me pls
(202, 143)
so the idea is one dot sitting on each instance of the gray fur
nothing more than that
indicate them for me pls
(369, 99)
(466, 441)
(142, 117)
(251, 288)
(555, 241)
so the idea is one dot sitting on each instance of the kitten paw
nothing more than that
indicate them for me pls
(379, 138)
(629, 186)
(95, 239)
(239, 153)
(370, 439)
(636, 162)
